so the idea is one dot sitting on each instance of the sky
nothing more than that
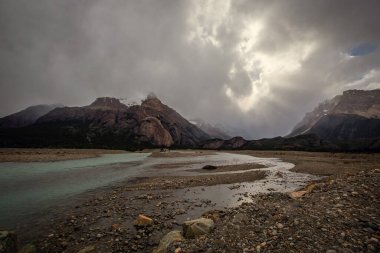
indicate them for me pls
(252, 67)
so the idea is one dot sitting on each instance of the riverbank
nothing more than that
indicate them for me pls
(50, 155)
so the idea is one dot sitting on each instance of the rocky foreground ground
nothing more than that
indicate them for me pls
(340, 213)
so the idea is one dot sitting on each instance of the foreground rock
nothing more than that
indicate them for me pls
(194, 228)
(8, 242)
(143, 221)
(29, 248)
(306, 190)
(88, 249)
(173, 236)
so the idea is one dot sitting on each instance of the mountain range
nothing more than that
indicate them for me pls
(107, 123)
(349, 122)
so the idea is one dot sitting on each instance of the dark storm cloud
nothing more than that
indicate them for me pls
(254, 67)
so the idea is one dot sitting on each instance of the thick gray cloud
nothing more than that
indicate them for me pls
(254, 67)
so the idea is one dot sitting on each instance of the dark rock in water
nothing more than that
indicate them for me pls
(8, 242)
(209, 167)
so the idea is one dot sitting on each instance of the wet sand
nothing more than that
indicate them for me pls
(322, 163)
(172, 182)
(181, 153)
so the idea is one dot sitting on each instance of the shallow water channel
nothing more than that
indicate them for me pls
(29, 188)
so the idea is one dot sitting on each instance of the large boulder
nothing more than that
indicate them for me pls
(8, 242)
(194, 228)
(169, 238)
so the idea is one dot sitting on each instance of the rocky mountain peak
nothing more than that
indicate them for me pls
(152, 101)
(354, 114)
(107, 102)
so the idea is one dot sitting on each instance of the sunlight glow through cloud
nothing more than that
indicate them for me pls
(205, 18)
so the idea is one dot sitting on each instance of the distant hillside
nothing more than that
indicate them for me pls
(212, 131)
(26, 117)
(108, 123)
(353, 115)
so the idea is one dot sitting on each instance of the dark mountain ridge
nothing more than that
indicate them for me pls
(107, 123)
(27, 116)
(353, 115)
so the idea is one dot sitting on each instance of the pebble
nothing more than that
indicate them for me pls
(280, 225)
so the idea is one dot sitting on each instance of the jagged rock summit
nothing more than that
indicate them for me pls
(107, 103)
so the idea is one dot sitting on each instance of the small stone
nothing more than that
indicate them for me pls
(8, 241)
(240, 218)
(280, 225)
(331, 251)
(258, 248)
(298, 194)
(143, 221)
(373, 240)
(180, 211)
(88, 249)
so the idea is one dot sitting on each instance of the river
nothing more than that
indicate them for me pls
(29, 188)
